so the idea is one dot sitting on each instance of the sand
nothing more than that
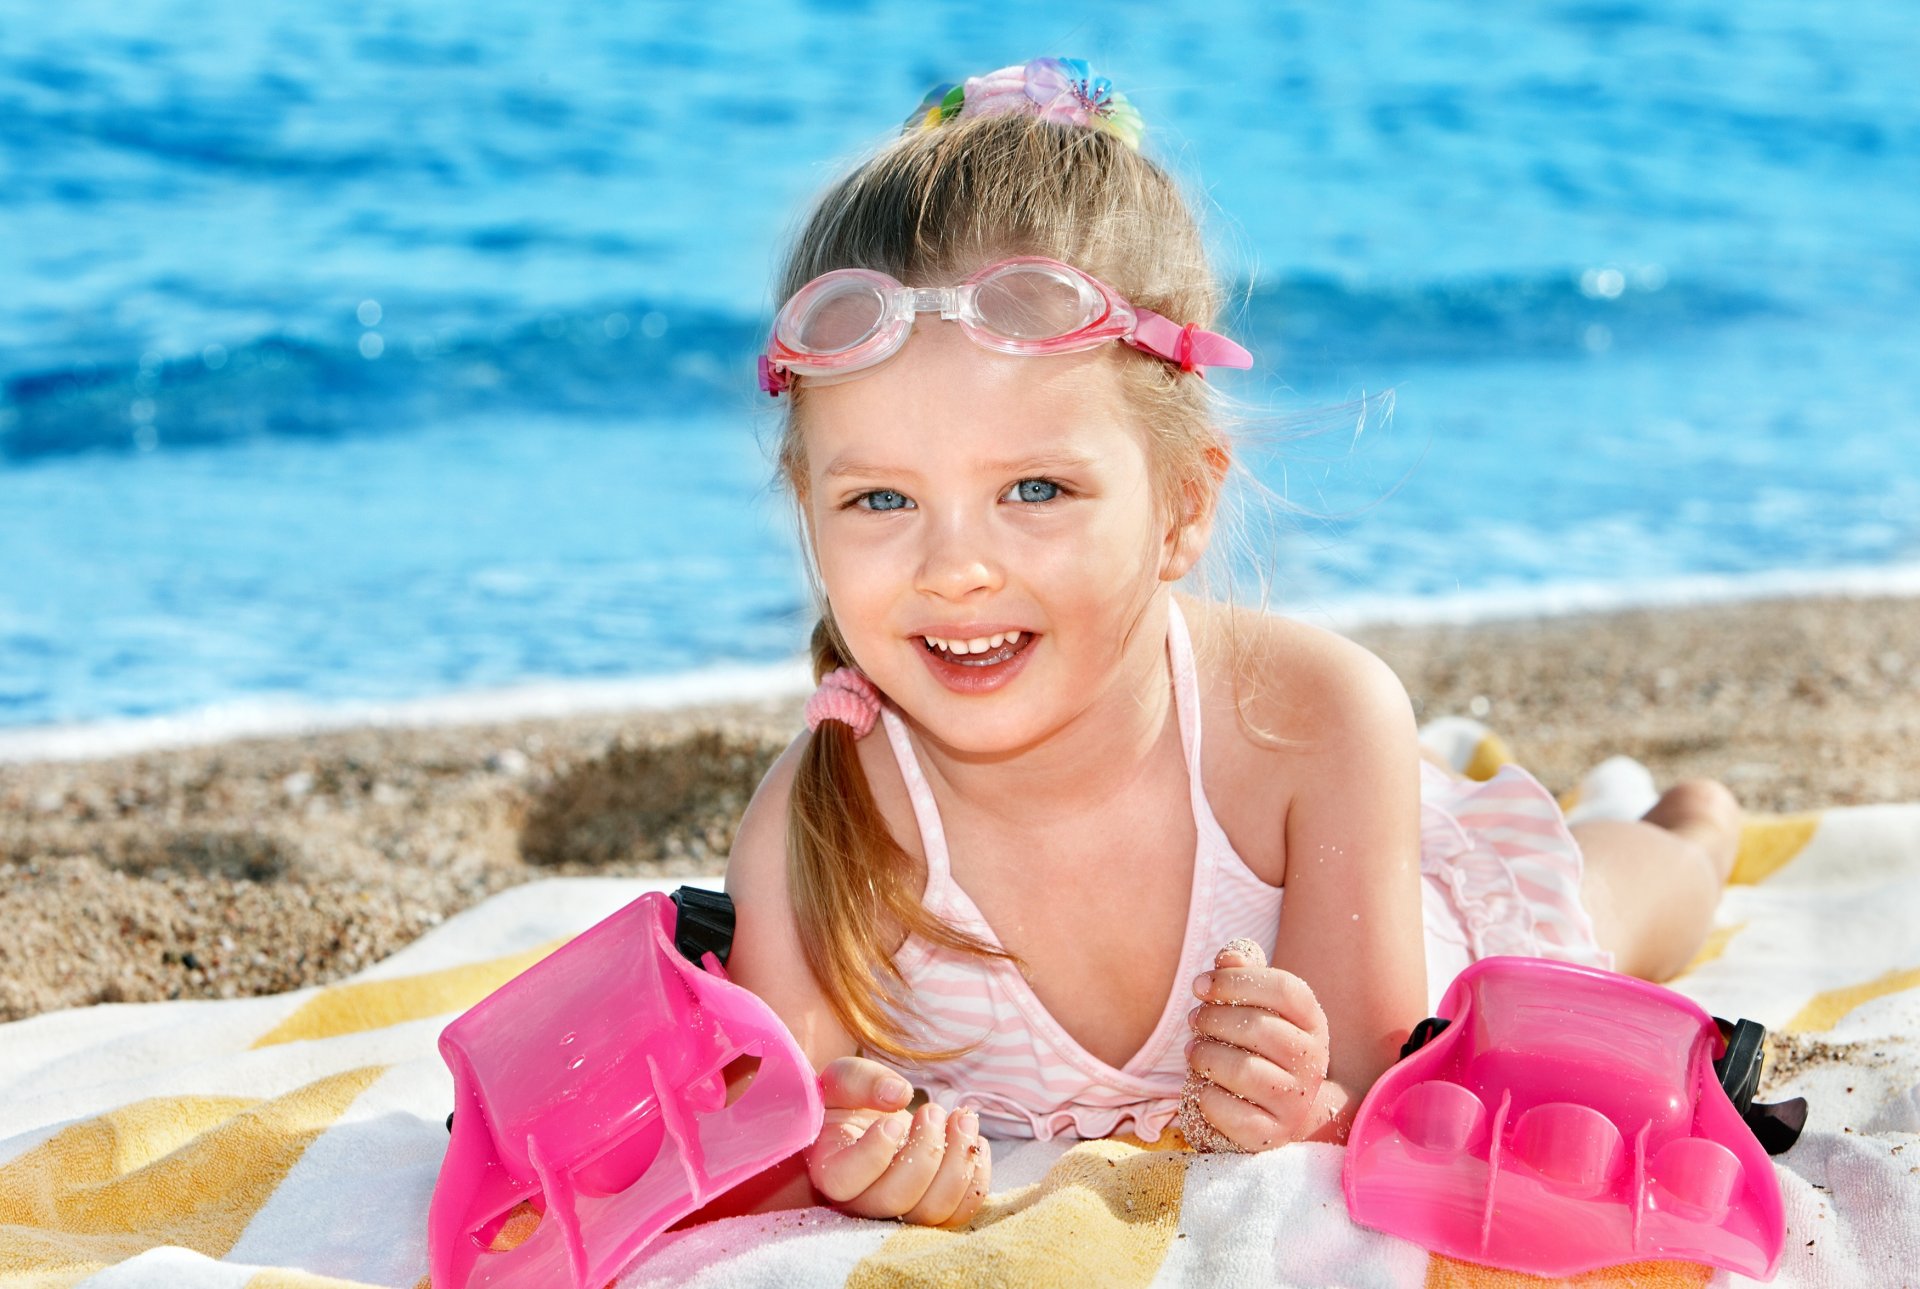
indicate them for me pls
(267, 864)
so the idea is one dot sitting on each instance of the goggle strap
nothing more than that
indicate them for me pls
(773, 380)
(1189, 346)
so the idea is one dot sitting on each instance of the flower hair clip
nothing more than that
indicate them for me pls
(1054, 89)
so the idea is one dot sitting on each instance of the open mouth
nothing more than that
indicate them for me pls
(990, 651)
(977, 665)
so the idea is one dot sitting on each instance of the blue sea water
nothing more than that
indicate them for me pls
(361, 353)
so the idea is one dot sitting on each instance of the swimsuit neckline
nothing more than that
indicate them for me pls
(942, 889)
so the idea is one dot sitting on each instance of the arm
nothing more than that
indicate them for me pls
(1350, 926)
(872, 1158)
(1298, 1043)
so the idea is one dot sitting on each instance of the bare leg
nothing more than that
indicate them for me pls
(1652, 884)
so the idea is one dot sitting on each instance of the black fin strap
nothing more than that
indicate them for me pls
(705, 924)
(1778, 1125)
(1423, 1033)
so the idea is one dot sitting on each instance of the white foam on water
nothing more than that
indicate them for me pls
(1568, 598)
(255, 718)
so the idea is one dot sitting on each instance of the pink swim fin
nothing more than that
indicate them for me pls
(594, 1086)
(1555, 1119)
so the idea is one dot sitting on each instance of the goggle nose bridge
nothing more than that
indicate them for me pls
(949, 301)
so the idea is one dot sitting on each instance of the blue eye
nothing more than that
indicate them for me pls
(1036, 490)
(882, 499)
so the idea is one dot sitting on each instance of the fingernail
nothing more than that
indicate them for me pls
(1203, 983)
(969, 1123)
(1193, 1015)
(896, 1092)
(896, 1129)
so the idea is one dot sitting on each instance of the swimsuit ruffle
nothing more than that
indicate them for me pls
(1500, 853)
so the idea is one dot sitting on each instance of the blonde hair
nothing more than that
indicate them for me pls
(928, 208)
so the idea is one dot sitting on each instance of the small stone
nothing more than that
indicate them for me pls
(510, 761)
(297, 785)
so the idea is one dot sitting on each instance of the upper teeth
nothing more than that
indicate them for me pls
(979, 644)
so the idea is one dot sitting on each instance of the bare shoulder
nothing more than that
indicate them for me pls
(1292, 688)
(757, 864)
(1284, 705)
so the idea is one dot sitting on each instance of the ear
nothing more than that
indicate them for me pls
(1187, 540)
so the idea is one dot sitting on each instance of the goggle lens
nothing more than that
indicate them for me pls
(1028, 302)
(845, 314)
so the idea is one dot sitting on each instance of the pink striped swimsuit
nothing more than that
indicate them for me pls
(1501, 874)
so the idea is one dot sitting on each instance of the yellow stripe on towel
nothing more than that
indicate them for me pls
(1716, 944)
(1105, 1214)
(376, 1004)
(286, 1278)
(1825, 1010)
(184, 1171)
(1767, 842)
(1446, 1273)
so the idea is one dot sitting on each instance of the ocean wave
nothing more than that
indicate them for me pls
(635, 363)
(639, 360)
(1319, 319)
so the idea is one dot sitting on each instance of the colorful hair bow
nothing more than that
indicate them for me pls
(1055, 89)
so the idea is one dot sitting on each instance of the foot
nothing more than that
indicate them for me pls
(1705, 812)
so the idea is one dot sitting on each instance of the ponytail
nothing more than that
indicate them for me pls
(852, 886)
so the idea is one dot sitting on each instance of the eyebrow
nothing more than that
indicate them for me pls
(1043, 461)
(846, 467)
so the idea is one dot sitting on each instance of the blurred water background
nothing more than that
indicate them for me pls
(357, 354)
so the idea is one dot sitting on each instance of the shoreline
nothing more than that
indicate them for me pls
(729, 684)
(259, 864)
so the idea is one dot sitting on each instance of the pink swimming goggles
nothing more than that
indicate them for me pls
(848, 320)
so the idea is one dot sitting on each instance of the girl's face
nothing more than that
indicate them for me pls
(955, 494)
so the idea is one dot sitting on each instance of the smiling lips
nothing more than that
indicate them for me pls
(976, 664)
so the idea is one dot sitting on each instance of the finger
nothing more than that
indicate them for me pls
(1249, 1077)
(979, 1183)
(1246, 1126)
(1278, 991)
(895, 1192)
(855, 1083)
(840, 1171)
(1263, 1033)
(1240, 953)
(949, 1184)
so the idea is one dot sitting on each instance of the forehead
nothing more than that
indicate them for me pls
(945, 403)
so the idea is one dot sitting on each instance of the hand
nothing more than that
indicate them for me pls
(874, 1159)
(1258, 1055)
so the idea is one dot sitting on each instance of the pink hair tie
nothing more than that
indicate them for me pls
(847, 696)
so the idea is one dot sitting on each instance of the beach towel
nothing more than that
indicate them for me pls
(292, 1141)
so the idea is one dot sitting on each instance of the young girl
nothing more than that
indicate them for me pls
(1039, 791)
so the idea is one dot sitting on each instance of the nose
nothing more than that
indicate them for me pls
(958, 559)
